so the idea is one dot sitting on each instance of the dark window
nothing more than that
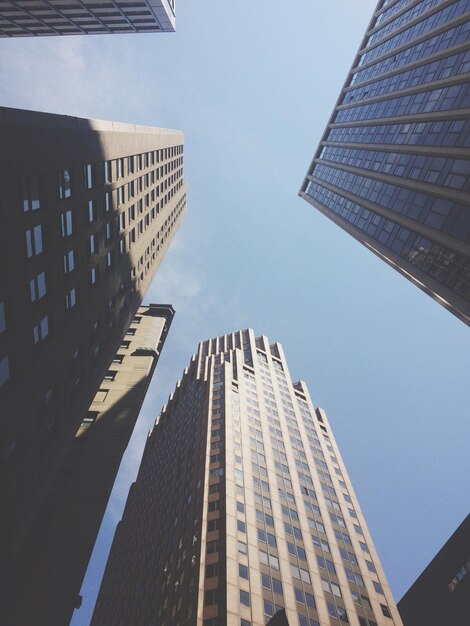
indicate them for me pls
(244, 598)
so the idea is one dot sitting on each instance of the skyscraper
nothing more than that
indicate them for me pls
(39, 18)
(55, 557)
(392, 168)
(440, 596)
(242, 507)
(88, 210)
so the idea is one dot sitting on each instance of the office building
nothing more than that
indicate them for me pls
(242, 511)
(441, 594)
(392, 168)
(38, 18)
(89, 209)
(57, 551)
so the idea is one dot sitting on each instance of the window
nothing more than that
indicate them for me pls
(30, 194)
(343, 616)
(241, 526)
(245, 622)
(212, 525)
(92, 244)
(370, 567)
(41, 330)
(107, 172)
(88, 176)
(4, 370)
(109, 258)
(243, 571)
(65, 184)
(2, 317)
(110, 375)
(108, 231)
(385, 611)
(91, 211)
(377, 587)
(107, 201)
(214, 506)
(242, 547)
(268, 608)
(34, 241)
(120, 196)
(120, 168)
(66, 223)
(37, 288)
(210, 597)
(69, 262)
(214, 546)
(244, 598)
(305, 621)
(277, 586)
(212, 570)
(93, 275)
(71, 298)
(240, 507)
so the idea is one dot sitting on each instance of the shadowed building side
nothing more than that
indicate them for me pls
(393, 166)
(59, 547)
(441, 594)
(87, 211)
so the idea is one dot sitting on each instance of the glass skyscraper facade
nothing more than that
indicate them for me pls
(393, 166)
(242, 508)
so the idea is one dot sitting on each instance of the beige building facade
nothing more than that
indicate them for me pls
(243, 507)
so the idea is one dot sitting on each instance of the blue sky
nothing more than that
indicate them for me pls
(252, 85)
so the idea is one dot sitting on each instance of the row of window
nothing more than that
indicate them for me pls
(442, 41)
(434, 21)
(443, 265)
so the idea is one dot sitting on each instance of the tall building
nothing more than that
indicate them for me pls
(54, 559)
(242, 508)
(88, 210)
(441, 594)
(392, 168)
(39, 18)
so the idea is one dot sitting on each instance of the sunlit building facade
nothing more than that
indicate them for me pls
(242, 511)
(40, 18)
(393, 165)
(89, 209)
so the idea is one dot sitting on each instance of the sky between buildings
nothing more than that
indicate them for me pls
(252, 85)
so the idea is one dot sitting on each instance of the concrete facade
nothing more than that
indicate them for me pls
(242, 508)
(40, 18)
(393, 166)
(88, 210)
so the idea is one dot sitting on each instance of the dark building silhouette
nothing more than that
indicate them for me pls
(58, 549)
(242, 510)
(441, 594)
(393, 165)
(87, 211)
